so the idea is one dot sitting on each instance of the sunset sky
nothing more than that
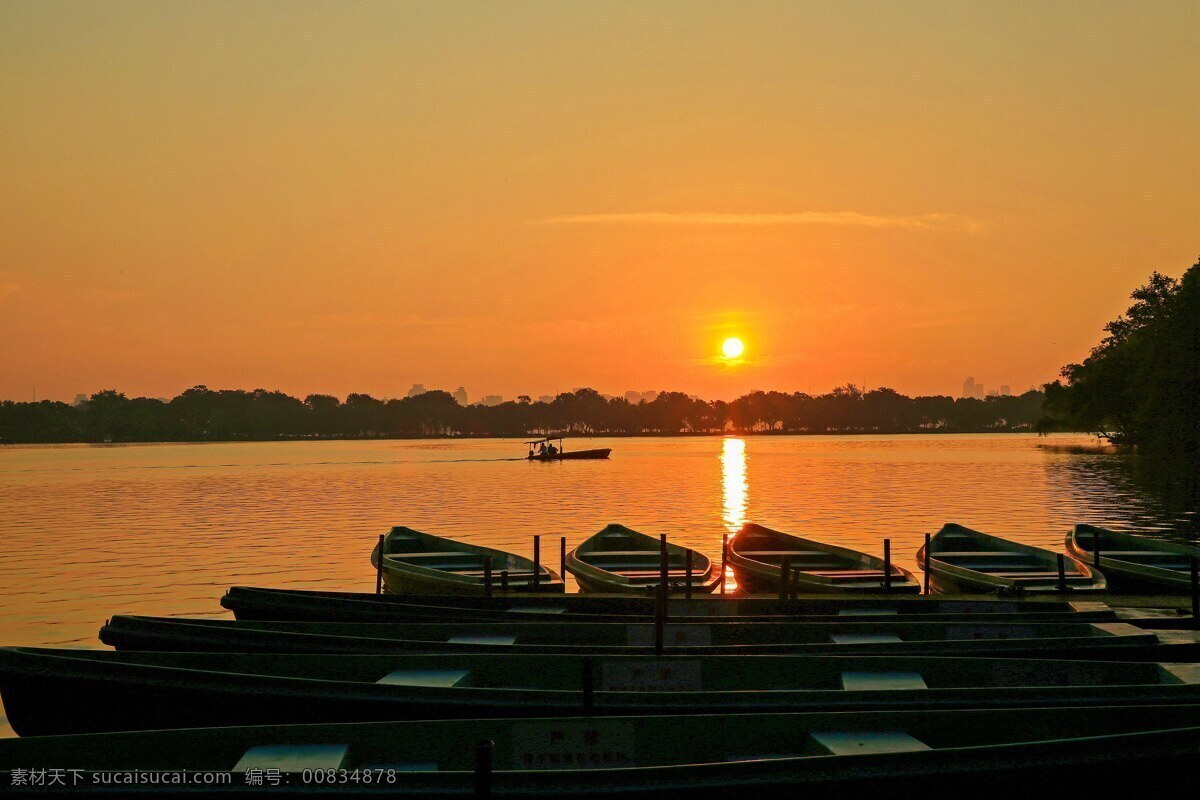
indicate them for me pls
(530, 197)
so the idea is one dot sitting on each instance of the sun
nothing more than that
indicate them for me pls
(732, 348)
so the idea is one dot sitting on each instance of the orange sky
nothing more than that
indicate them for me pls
(530, 197)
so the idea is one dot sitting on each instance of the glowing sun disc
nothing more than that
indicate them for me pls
(732, 347)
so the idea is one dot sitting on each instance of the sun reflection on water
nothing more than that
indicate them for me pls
(734, 491)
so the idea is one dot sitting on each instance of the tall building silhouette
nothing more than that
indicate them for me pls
(460, 396)
(417, 388)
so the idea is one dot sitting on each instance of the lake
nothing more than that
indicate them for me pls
(89, 531)
(94, 530)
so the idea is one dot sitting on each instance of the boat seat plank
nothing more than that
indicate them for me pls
(293, 757)
(882, 681)
(438, 554)
(784, 553)
(979, 554)
(429, 678)
(483, 639)
(866, 612)
(853, 743)
(865, 638)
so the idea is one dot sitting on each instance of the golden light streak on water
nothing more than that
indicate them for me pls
(735, 492)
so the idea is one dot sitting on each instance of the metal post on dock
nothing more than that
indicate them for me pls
(504, 580)
(660, 619)
(785, 577)
(887, 566)
(687, 572)
(1062, 573)
(1096, 549)
(379, 568)
(586, 682)
(487, 575)
(483, 768)
(537, 562)
(662, 561)
(562, 558)
(926, 563)
(1195, 592)
(724, 558)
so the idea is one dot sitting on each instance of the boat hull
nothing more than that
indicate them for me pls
(619, 560)
(406, 569)
(1148, 565)
(574, 455)
(1023, 754)
(55, 692)
(251, 603)
(1113, 641)
(961, 562)
(841, 571)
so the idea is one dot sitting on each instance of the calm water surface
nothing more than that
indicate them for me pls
(91, 531)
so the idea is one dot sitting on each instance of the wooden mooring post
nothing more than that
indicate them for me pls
(537, 562)
(887, 566)
(724, 558)
(483, 768)
(1195, 592)
(927, 563)
(379, 567)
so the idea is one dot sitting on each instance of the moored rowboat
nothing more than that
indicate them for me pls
(1132, 559)
(254, 603)
(976, 753)
(758, 556)
(962, 559)
(419, 562)
(54, 691)
(620, 559)
(1120, 641)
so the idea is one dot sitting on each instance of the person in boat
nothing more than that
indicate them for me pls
(542, 449)
(552, 450)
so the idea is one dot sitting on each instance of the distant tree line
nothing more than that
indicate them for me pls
(203, 414)
(1141, 384)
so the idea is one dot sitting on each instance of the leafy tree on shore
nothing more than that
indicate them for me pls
(1141, 384)
(203, 414)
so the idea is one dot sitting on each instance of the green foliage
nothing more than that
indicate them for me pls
(1141, 384)
(203, 414)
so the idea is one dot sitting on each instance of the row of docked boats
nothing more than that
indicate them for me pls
(621, 560)
(527, 695)
(612, 692)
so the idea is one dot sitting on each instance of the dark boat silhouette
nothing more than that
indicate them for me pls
(544, 450)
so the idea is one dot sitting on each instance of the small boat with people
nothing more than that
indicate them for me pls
(54, 691)
(306, 605)
(960, 559)
(968, 753)
(620, 559)
(421, 563)
(544, 449)
(759, 557)
(1134, 561)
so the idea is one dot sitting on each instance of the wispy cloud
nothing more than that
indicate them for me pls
(851, 218)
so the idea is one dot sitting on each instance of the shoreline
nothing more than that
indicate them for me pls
(568, 436)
